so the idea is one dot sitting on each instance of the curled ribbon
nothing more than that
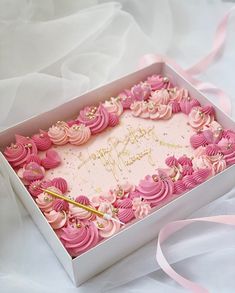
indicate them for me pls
(225, 104)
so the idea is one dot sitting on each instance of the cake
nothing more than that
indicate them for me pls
(126, 157)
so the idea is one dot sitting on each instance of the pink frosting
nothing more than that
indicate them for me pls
(229, 134)
(179, 187)
(171, 161)
(58, 133)
(140, 207)
(17, 154)
(209, 110)
(126, 98)
(114, 106)
(33, 158)
(60, 205)
(175, 106)
(140, 109)
(52, 159)
(42, 140)
(158, 82)
(60, 183)
(160, 112)
(83, 200)
(80, 237)
(125, 215)
(32, 171)
(97, 119)
(178, 95)
(230, 158)
(201, 175)
(198, 140)
(184, 160)
(160, 97)
(141, 91)
(187, 170)
(154, 189)
(226, 145)
(189, 181)
(187, 105)
(35, 188)
(45, 201)
(218, 166)
(78, 134)
(212, 149)
(122, 190)
(97, 200)
(202, 162)
(80, 213)
(197, 119)
(56, 219)
(113, 119)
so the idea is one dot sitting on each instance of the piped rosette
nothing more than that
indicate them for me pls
(79, 213)
(156, 189)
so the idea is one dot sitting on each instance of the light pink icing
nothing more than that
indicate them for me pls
(218, 166)
(56, 219)
(160, 97)
(140, 109)
(96, 118)
(160, 112)
(42, 140)
(114, 106)
(97, 200)
(35, 188)
(60, 183)
(78, 134)
(197, 119)
(52, 159)
(58, 133)
(80, 237)
(122, 190)
(45, 201)
(154, 189)
(140, 207)
(178, 94)
(80, 213)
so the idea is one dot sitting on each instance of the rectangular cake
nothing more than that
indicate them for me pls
(139, 149)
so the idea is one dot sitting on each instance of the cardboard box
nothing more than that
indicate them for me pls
(137, 234)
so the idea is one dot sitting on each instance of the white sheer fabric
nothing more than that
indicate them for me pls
(51, 51)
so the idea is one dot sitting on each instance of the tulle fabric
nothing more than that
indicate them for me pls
(51, 51)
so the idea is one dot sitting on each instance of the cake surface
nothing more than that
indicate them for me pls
(123, 157)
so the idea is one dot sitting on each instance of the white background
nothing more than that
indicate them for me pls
(51, 51)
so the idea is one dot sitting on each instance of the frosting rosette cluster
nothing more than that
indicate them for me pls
(58, 133)
(78, 134)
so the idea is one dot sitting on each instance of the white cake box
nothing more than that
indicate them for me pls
(134, 235)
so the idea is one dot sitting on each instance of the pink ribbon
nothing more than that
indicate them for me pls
(225, 104)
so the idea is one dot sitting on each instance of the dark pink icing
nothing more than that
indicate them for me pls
(97, 119)
(127, 98)
(158, 82)
(52, 159)
(60, 205)
(60, 183)
(187, 104)
(83, 199)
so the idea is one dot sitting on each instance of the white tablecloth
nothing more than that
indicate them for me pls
(51, 51)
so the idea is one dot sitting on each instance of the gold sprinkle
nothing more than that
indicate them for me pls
(165, 79)
(155, 178)
(100, 225)
(78, 225)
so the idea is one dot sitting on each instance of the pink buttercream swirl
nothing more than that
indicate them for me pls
(187, 104)
(60, 183)
(45, 200)
(154, 189)
(96, 118)
(42, 140)
(140, 109)
(125, 212)
(52, 159)
(198, 119)
(141, 91)
(97, 200)
(140, 207)
(122, 190)
(158, 82)
(114, 106)
(126, 98)
(78, 134)
(58, 133)
(80, 213)
(80, 237)
(60, 205)
(18, 153)
(160, 97)
(57, 219)
(113, 119)
(178, 94)
(158, 112)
